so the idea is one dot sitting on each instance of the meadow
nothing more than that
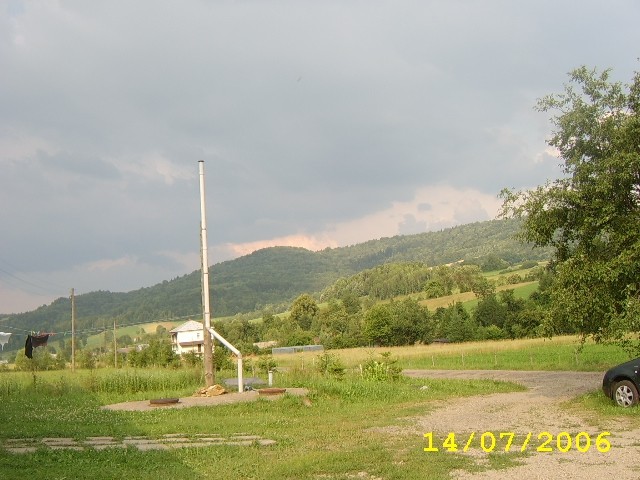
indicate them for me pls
(336, 433)
(331, 435)
(557, 353)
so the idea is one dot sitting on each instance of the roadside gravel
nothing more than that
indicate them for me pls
(538, 409)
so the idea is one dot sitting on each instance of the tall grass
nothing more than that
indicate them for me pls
(558, 353)
(107, 385)
(143, 380)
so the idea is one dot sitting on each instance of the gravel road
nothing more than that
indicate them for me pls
(535, 410)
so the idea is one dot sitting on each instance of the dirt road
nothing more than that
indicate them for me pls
(535, 410)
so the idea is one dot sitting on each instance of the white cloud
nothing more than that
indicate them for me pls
(449, 206)
(19, 145)
(154, 167)
(99, 266)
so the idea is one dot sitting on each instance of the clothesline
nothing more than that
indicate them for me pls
(4, 338)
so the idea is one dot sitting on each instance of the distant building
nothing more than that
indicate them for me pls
(265, 345)
(187, 338)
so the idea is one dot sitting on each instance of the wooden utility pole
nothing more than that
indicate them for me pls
(206, 312)
(115, 346)
(73, 331)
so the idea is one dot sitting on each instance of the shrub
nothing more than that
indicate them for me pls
(191, 359)
(381, 370)
(330, 364)
(266, 363)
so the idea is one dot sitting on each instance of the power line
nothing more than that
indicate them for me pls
(39, 285)
(102, 329)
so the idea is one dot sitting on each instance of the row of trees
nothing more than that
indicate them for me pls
(391, 280)
(347, 323)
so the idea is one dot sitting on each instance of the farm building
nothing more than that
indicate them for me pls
(187, 338)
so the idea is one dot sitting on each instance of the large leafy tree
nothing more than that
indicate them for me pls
(590, 216)
(303, 310)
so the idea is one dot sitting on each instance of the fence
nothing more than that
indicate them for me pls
(297, 349)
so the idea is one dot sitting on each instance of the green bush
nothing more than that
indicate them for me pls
(330, 364)
(381, 370)
(266, 363)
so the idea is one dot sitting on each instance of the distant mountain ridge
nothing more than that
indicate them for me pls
(275, 276)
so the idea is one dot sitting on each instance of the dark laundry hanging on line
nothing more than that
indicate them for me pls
(34, 341)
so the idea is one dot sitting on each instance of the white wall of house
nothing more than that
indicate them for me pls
(188, 337)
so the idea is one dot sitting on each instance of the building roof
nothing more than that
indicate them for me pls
(190, 326)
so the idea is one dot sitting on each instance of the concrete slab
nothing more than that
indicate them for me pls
(142, 443)
(227, 398)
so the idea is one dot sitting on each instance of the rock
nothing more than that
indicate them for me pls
(212, 391)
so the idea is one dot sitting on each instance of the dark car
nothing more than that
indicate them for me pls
(621, 383)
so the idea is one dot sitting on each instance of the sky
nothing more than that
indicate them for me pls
(320, 124)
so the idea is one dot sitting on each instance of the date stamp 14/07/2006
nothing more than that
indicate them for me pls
(510, 442)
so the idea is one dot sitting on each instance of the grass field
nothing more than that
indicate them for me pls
(333, 437)
(337, 435)
(558, 353)
(470, 301)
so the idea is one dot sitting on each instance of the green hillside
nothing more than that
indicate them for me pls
(274, 277)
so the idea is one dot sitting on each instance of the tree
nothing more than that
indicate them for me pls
(489, 312)
(377, 325)
(397, 323)
(303, 310)
(466, 276)
(124, 340)
(455, 324)
(590, 216)
(351, 303)
(483, 288)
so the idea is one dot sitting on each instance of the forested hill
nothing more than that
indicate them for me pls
(275, 276)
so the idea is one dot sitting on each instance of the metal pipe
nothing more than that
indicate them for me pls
(227, 344)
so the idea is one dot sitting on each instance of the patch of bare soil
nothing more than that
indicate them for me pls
(535, 410)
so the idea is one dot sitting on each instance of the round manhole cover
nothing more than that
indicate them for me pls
(271, 391)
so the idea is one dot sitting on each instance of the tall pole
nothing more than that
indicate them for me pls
(206, 311)
(115, 346)
(73, 331)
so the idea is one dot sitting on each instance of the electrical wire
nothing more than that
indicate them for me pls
(39, 286)
(100, 329)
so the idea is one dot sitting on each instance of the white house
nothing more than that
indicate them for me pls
(188, 338)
